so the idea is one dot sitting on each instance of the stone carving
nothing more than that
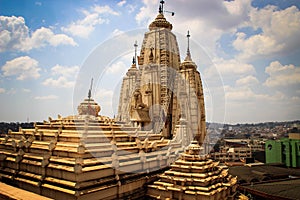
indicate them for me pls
(138, 100)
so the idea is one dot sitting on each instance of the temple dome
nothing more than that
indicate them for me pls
(88, 107)
(160, 22)
(188, 64)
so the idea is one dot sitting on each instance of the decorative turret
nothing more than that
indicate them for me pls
(132, 70)
(192, 96)
(188, 62)
(194, 176)
(89, 106)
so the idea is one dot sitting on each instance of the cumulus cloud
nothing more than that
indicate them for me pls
(104, 10)
(84, 27)
(23, 67)
(282, 75)
(117, 32)
(231, 67)
(14, 36)
(44, 36)
(279, 32)
(63, 76)
(247, 81)
(60, 82)
(38, 3)
(250, 105)
(26, 90)
(209, 19)
(104, 97)
(93, 17)
(48, 97)
(244, 94)
(147, 12)
(65, 71)
(121, 3)
(118, 67)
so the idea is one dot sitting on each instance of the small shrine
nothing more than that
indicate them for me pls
(194, 176)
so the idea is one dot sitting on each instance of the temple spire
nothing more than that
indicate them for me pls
(188, 53)
(90, 90)
(135, 50)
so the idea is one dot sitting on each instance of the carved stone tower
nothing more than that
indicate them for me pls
(152, 94)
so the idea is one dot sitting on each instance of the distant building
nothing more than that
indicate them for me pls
(238, 150)
(285, 150)
(265, 181)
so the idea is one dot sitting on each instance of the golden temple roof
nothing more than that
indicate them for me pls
(193, 176)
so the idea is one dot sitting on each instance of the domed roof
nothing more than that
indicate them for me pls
(160, 22)
(88, 107)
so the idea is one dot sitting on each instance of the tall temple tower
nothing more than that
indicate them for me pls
(162, 91)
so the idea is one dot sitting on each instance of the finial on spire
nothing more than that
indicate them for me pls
(188, 53)
(135, 49)
(90, 90)
(161, 7)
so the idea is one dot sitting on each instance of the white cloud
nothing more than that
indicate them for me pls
(104, 97)
(48, 97)
(282, 75)
(247, 81)
(64, 76)
(23, 67)
(118, 67)
(2, 90)
(103, 93)
(60, 82)
(117, 32)
(14, 35)
(84, 27)
(38, 3)
(248, 105)
(280, 32)
(147, 12)
(26, 90)
(229, 68)
(105, 10)
(121, 3)
(44, 36)
(208, 20)
(244, 94)
(65, 71)
(131, 8)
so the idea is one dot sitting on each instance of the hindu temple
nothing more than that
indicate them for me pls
(144, 152)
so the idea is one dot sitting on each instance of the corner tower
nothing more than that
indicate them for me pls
(191, 95)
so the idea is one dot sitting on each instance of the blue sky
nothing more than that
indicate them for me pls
(246, 51)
